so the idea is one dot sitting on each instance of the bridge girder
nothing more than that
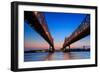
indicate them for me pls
(82, 31)
(38, 27)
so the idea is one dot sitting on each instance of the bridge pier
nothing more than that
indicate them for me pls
(66, 49)
(51, 49)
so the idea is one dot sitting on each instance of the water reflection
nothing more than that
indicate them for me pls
(49, 57)
(67, 56)
(45, 56)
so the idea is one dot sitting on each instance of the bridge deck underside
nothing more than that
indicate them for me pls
(79, 36)
(35, 24)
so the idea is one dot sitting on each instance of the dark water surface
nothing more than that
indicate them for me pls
(44, 56)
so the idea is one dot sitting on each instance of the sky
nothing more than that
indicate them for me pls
(60, 25)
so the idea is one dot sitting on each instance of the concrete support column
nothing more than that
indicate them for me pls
(66, 49)
(51, 49)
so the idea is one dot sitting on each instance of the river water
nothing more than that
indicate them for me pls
(44, 56)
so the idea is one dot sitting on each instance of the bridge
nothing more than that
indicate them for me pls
(37, 21)
(82, 31)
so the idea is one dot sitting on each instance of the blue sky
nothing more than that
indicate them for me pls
(60, 25)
